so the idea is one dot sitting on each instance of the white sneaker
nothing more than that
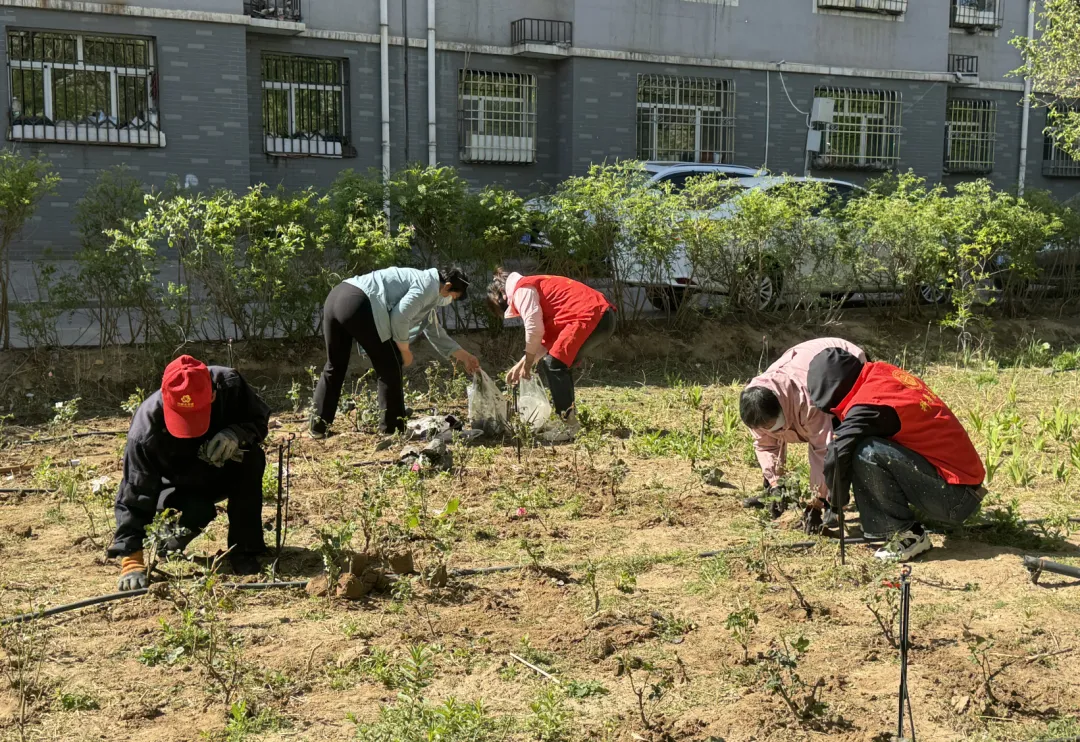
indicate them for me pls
(903, 547)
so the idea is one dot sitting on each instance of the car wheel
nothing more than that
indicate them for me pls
(767, 290)
(931, 294)
(667, 299)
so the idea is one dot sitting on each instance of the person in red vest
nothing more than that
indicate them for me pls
(564, 321)
(898, 447)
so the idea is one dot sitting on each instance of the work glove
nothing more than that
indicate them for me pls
(132, 572)
(223, 447)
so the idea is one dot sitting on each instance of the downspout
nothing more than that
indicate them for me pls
(384, 75)
(1026, 116)
(432, 157)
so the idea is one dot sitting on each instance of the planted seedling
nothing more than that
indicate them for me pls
(741, 624)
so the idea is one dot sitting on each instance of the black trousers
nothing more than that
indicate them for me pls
(559, 377)
(347, 318)
(239, 482)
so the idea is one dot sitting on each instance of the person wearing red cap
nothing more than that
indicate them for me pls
(192, 444)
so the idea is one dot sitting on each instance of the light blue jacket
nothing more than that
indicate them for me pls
(404, 303)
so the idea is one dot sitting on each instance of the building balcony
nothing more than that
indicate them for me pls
(541, 38)
(975, 15)
(965, 67)
(888, 7)
(274, 10)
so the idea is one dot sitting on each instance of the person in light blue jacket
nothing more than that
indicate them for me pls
(383, 312)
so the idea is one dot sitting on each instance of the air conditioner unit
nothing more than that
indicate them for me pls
(822, 111)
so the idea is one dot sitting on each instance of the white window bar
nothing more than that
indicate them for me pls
(84, 88)
(970, 133)
(888, 7)
(303, 106)
(1057, 161)
(865, 130)
(498, 117)
(685, 119)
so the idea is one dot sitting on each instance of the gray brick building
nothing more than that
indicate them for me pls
(223, 93)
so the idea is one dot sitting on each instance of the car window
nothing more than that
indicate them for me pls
(677, 180)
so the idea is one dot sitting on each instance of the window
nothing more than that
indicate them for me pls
(303, 106)
(80, 88)
(865, 130)
(970, 131)
(685, 119)
(498, 117)
(889, 7)
(976, 14)
(1057, 162)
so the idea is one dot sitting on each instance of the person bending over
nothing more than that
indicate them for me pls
(898, 447)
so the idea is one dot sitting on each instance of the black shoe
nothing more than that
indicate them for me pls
(245, 563)
(830, 519)
(776, 506)
(754, 503)
(317, 427)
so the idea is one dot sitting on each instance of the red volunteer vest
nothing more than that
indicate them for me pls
(571, 310)
(927, 425)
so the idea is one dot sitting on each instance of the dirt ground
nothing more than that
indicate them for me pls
(624, 513)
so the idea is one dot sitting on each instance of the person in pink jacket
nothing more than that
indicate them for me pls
(776, 407)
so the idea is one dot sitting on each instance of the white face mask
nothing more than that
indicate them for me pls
(445, 301)
(779, 424)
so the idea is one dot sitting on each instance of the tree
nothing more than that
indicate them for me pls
(1052, 62)
(23, 183)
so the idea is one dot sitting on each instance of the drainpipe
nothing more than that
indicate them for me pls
(1025, 117)
(432, 157)
(384, 75)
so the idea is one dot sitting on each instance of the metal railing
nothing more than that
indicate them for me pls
(91, 89)
(304, 109)
(274, 10)
(890, 7)
(964, 64)
(1057, 163)
(541, 31)
(975, 14)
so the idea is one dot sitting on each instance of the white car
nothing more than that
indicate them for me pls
(667, 288)
(677, 173)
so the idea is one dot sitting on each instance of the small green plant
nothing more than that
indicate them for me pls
(65, 414)
(581, 689)
(884, 604)
(979, 653)
(650, 684)
(741, 624)
(670, 628)
(625, 582)
(781, 668)
(1019, 471)
(294, 395)
(76, 701)
(333, 542)
(134, 401)
(550, 718)
(244, 722)
(25, 645)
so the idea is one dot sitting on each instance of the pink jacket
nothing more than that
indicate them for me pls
(804, 423)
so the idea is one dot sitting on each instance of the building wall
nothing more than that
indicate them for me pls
(203, 113)
(210, 89)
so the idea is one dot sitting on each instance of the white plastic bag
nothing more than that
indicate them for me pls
(533, 405)
(487, 405)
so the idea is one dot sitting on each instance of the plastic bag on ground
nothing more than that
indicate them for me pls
(487, 405)
(533, 405)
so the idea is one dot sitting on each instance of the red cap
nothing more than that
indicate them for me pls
(186, 394)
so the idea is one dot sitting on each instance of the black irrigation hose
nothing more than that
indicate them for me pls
(85, 434)
(1037, 565)
(22, 618)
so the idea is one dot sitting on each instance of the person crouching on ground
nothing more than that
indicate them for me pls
(192, 444)
(565, 320)
(383, 312)
(776, 407)
(898, 446)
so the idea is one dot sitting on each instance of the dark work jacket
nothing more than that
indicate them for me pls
(156, 463)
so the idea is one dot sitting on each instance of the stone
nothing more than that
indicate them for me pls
(351, 587)
(318, 586)
(401, 563)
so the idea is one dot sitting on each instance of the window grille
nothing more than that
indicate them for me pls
(964, 64)
(1057, 161)
(82, 88)
(970, 133)
(274, 10)
(303, 106)
(889, 7)
(865, 130)
(685, 119)
(976, 14)
(498, 117)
